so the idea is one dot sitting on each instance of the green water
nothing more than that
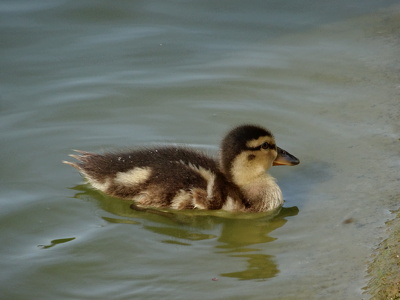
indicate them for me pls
(99, 75)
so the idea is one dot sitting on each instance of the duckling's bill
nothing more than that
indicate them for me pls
(284, 158)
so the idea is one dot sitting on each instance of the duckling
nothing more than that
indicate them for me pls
(183, 178)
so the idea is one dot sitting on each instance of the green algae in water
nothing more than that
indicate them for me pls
(56, 242)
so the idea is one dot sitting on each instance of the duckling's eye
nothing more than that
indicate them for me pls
(265, 145)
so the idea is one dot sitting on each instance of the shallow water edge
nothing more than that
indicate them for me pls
(384, 270)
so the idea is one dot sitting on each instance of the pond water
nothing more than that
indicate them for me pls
(98, 75)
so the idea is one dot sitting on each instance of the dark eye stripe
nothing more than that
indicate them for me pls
(270, 146)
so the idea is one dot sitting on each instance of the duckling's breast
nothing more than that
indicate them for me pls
(263, 194)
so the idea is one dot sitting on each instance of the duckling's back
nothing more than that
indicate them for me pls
(160, 177)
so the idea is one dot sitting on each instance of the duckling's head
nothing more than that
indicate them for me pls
(248, 151)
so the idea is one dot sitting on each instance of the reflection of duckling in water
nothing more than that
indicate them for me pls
(182, 178)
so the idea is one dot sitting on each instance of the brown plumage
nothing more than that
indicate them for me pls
(183, 178)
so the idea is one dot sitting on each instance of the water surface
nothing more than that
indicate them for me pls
(96, 75)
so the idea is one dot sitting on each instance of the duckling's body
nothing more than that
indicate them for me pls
(183, 178)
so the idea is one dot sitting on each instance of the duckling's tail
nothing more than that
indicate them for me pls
(71, 164)
(82, 157)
